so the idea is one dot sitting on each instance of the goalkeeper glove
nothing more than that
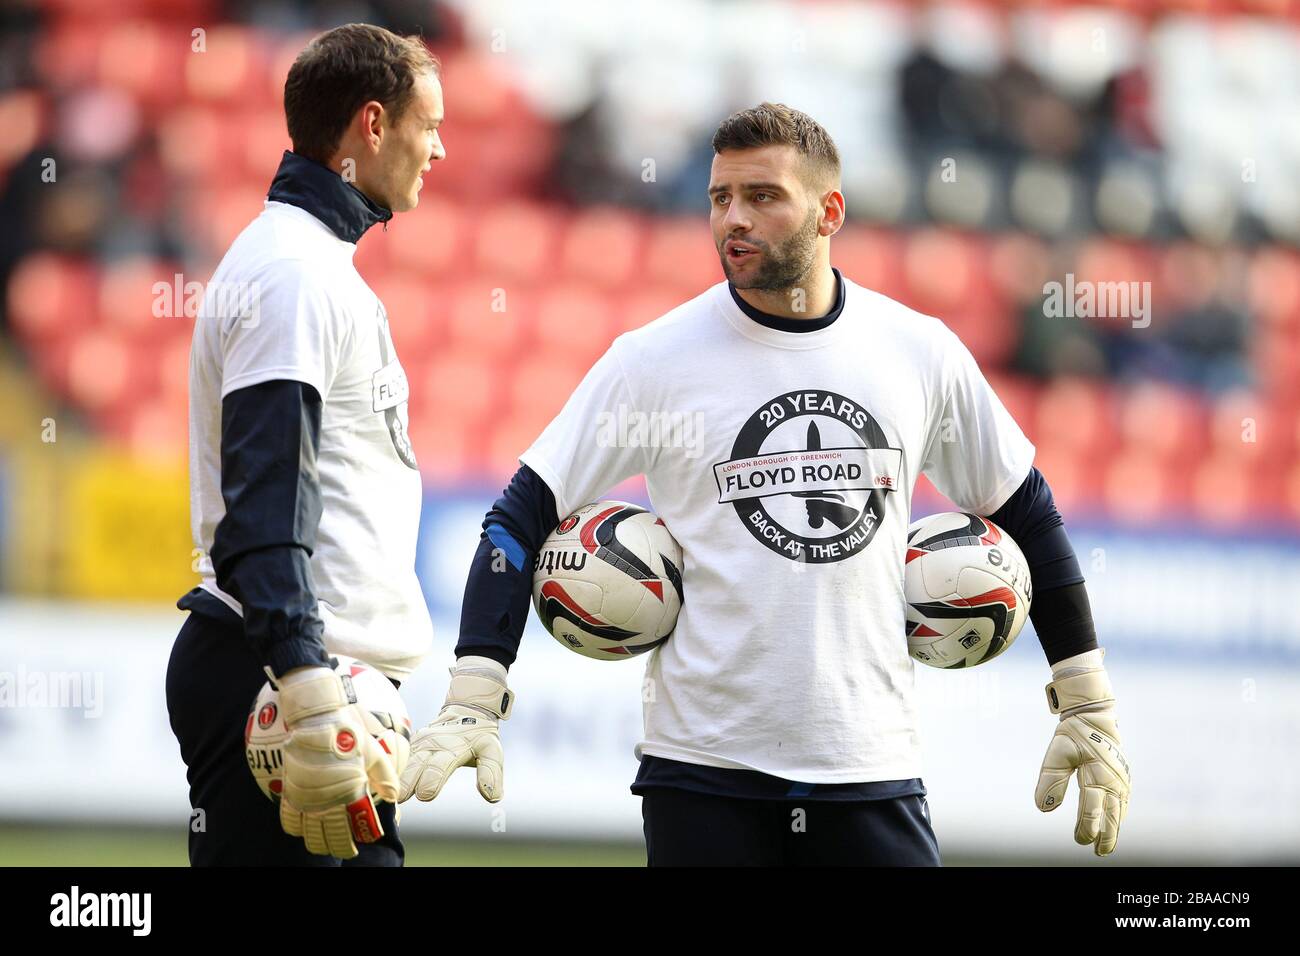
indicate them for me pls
(331, 766)
(464, 734)
(1086, 740)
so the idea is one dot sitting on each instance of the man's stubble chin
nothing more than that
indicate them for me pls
(785, 269)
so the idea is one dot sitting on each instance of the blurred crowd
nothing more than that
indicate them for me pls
(990, 150)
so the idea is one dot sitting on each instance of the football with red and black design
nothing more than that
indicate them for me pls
(607, 583)
(385, 715)
(967, 588)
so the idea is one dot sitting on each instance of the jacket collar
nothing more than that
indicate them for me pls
(307, 184)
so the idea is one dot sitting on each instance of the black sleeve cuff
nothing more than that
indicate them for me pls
(500, 586)
(1063, 619)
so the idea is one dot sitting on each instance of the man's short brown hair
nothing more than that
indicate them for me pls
(343, 69)
(775, 124)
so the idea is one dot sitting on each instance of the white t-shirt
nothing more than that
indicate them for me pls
(784, 464)
(316, 321)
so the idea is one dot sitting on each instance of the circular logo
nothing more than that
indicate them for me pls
(346, 741)
(266, 716)
(567, 525)
(809, 474)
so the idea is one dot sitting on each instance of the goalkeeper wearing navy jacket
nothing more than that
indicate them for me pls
(304, 489)
(780, 690)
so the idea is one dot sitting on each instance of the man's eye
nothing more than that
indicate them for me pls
(762, 195)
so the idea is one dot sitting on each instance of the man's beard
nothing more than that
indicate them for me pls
(782, 268)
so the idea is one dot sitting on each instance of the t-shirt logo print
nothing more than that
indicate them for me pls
(389, 392)
(809, 474)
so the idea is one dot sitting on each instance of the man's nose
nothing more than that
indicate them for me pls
(736, 219)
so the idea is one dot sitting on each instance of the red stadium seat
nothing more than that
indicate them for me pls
(872, 258)
(1289, 493)
(1224, 487)
(467, 385)
(282, 50)
(1275, 287)
(570, 313)
(484, 315)
(230, 69)
(225, 213)
(447, 449)
(97, 13)
(1020, 396)
(430, 239)
(480, 87)
(1102, 260)
(262, 138)
(1254, 428)
(1276, 356)
(24, 115)
(158, 427)
(515, 241)
(987, 329)
(194, 145)
(506, 443)
(635, 309)
(172, 360)
(373, 256)
(1076, 414)
(1019, 266)
(939, 266)
(1074, 478)
(50, 296)
(102, 372)
(603, 245)
(143, 58)
(67, 55)
(144, 298)
(409, 305)
(1138, 487)
(1166, 422)
(485, 162)
(681, 256)
(541, 382)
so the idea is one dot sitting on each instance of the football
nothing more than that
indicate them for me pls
(967, 589)
(607, 583)
(385, 715)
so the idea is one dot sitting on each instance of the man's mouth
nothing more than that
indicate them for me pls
(737, 251)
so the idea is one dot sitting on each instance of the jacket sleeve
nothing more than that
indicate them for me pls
(1060, 610)
(270, 437)
(500, 585)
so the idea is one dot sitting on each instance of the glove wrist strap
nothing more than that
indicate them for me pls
(308, 698)
(1072, 694)
(481, 693)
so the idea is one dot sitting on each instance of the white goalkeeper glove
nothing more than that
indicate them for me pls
(331, 766)
(1086, 740)
(464, 734)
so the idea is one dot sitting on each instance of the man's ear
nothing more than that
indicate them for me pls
(832, 212)
(372, 122)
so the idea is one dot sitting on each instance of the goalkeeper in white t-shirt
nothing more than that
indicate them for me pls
(783, 729)
(304, 489)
